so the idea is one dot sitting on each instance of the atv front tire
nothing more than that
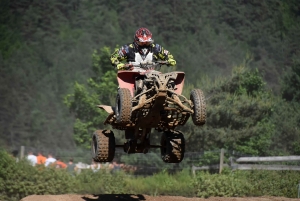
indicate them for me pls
(199, 107)
(103, 146)
(123, 106)
(172, 147)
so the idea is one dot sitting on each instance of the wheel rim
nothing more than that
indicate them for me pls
(94, 146)
(118, 106)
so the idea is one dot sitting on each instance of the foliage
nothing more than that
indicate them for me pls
(291, 83)
(209, 158)
(101, 182)
(83, 102)
(9, 31)
(46, 47)
(244, 81)
(247, 183)
(134, 159)
(18, 180)
(286, 136)
(162, 183)
(238, 115)
(268, 182)
(232, 185)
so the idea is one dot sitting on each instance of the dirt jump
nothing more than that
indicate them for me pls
(139, 197)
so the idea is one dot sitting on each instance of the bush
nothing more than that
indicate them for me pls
(224, 185)
(273, 183)
(247, 183)
(162, 183)
(100, 182)
(18, 180)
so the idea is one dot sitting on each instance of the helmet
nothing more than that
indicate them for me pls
(143, 37)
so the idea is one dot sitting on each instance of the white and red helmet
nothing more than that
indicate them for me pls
(143, 37)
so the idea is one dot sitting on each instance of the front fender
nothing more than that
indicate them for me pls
(126, 79)
(107, 108)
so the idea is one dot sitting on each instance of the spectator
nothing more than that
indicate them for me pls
(71, 167)
(31, 158)
(115, 167)
(60, 164)
(49, 160)
(41, 159)
(95, 166)
(111, 166)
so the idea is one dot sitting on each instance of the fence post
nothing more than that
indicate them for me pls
(298, 189)
(194, 171)
(22, 152)
(221, 161)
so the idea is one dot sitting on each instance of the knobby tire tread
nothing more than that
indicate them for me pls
(174, 145)
(126, 105)
(105, 151)
(198, 99)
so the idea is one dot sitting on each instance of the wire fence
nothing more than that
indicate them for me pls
(143, 164)
(146, 164)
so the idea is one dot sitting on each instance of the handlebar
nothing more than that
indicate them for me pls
(145, 65)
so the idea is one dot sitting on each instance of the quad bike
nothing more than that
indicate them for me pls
(149, 99)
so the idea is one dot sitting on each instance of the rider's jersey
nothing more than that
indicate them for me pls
(130, 53)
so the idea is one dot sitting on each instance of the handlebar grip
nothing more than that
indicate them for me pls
(128, 66)
(163, 62)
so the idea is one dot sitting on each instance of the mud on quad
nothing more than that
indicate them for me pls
(149, 99)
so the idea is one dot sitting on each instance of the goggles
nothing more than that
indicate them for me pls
(144, 43)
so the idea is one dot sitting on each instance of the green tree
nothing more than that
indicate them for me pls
(291, 83)
(100, 89)
(47, 45)
(238, 115)
(286, 137)
(10, 39)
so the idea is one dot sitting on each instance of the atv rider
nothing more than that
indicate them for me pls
(142, 49)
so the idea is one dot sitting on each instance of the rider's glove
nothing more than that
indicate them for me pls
(120, 66)
(128, 66)
(171, 62)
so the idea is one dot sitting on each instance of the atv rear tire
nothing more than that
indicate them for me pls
(172, 147)
(123, 106)
(103, 146)
(199, 107)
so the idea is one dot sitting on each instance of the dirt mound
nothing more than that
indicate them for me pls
(130, 197)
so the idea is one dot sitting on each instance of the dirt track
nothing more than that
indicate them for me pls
(129, 197)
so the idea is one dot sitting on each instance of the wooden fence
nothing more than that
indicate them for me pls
(238, 163)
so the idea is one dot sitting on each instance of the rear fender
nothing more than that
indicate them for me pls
(126, 79)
